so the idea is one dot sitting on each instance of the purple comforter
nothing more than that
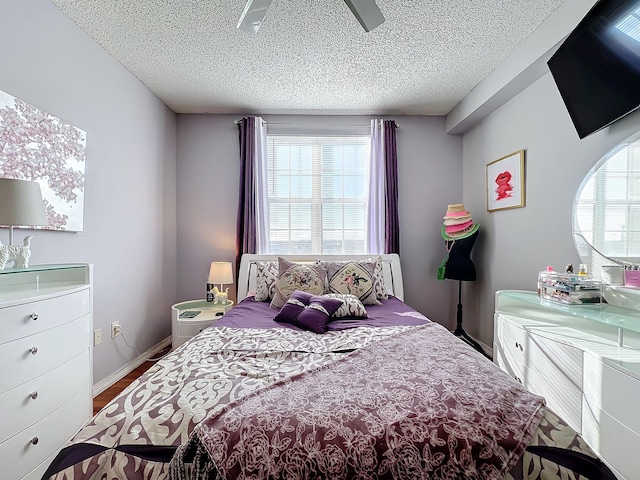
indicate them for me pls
(418, 404)
(225, 364)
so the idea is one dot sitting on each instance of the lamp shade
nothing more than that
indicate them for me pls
(21, 203)
(220, 273)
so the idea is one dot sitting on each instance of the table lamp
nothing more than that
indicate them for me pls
(219, 273)
(21, 205)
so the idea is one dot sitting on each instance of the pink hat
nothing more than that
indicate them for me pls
(457, 228)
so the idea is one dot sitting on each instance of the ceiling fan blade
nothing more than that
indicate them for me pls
(367, 13)
(253, 15)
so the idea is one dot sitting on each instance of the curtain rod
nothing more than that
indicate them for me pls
(237, 122)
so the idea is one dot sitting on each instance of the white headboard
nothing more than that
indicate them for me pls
(248, 270)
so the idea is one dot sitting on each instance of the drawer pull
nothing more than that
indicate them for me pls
(34, 395)
(33, 350)
(34, 441)
(34, 316)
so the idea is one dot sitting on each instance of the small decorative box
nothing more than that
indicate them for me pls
(569, 289)
(632, 278)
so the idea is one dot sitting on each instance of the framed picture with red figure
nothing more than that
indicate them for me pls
(505, 182)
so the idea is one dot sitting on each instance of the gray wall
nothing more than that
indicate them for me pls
(516, 244)
(129, 213)
(429, 170)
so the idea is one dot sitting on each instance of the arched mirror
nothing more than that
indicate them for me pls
(606, 210)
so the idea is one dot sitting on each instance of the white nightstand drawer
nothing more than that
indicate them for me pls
(25, 410)
(556, 360)
(29, 357)
(189, 329)
(29, 318)
(21, 454)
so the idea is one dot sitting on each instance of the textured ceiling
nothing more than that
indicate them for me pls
(309, 56)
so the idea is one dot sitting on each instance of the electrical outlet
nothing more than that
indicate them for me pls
(97, 337)
(115, 329)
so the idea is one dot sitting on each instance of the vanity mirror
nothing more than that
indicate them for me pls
(606, 211)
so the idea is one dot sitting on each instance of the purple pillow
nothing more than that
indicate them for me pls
(307, 311)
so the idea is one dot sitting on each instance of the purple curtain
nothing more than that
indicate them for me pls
(246, 226)
(392, 227)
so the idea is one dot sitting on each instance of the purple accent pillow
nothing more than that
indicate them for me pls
(307, 311)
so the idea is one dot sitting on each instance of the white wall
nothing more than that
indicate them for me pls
(429, 177)
(516, 244)
(129, 214)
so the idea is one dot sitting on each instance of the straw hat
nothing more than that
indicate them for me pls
(457, 223)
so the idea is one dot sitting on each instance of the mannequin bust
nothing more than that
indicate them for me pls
(459, 265)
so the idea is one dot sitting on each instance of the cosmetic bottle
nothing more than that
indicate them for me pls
(582, 270)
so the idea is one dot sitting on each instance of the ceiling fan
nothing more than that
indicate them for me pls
(365, 11)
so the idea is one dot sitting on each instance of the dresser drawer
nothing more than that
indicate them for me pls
(562, 399)
(513, 368)
(27, 410)
(615, 443)
(558, 361)
(50, 349)
(613, 391)
(33, 317)
(51, 432)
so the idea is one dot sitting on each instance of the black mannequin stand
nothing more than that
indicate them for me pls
(459, 331)
(460, 267)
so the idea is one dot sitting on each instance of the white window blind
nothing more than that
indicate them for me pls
(317, 193)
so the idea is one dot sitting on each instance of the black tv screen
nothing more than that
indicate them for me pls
(597, 67)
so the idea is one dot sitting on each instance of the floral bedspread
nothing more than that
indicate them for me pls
(414, 405)
(225, 365)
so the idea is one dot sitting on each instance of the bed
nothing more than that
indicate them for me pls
(325, 383)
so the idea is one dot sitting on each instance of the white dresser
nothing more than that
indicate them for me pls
(46, 356)
(585, 361)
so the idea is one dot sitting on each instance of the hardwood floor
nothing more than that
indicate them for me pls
(105, 397)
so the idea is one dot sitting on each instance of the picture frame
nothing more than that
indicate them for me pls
(505, 182)
(45, 149)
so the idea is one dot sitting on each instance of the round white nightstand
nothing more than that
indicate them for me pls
(191, 317)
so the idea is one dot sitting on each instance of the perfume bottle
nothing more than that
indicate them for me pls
(210, 293)
(582, 270)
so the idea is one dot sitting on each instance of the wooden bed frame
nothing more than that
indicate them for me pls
(248, 270)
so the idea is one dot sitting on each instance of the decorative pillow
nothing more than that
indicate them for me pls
(351, 306)
(355, 278)
(266, 277)
(307, 311)
(293, 276)
(378, 280)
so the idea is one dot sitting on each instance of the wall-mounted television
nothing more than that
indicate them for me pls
(597, 67)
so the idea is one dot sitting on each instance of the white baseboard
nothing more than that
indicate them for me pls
(106, 382)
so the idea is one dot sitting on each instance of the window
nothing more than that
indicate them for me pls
(317, 193)
(608, 209)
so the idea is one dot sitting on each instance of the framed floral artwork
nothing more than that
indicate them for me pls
(505, 182)
(37, 146)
